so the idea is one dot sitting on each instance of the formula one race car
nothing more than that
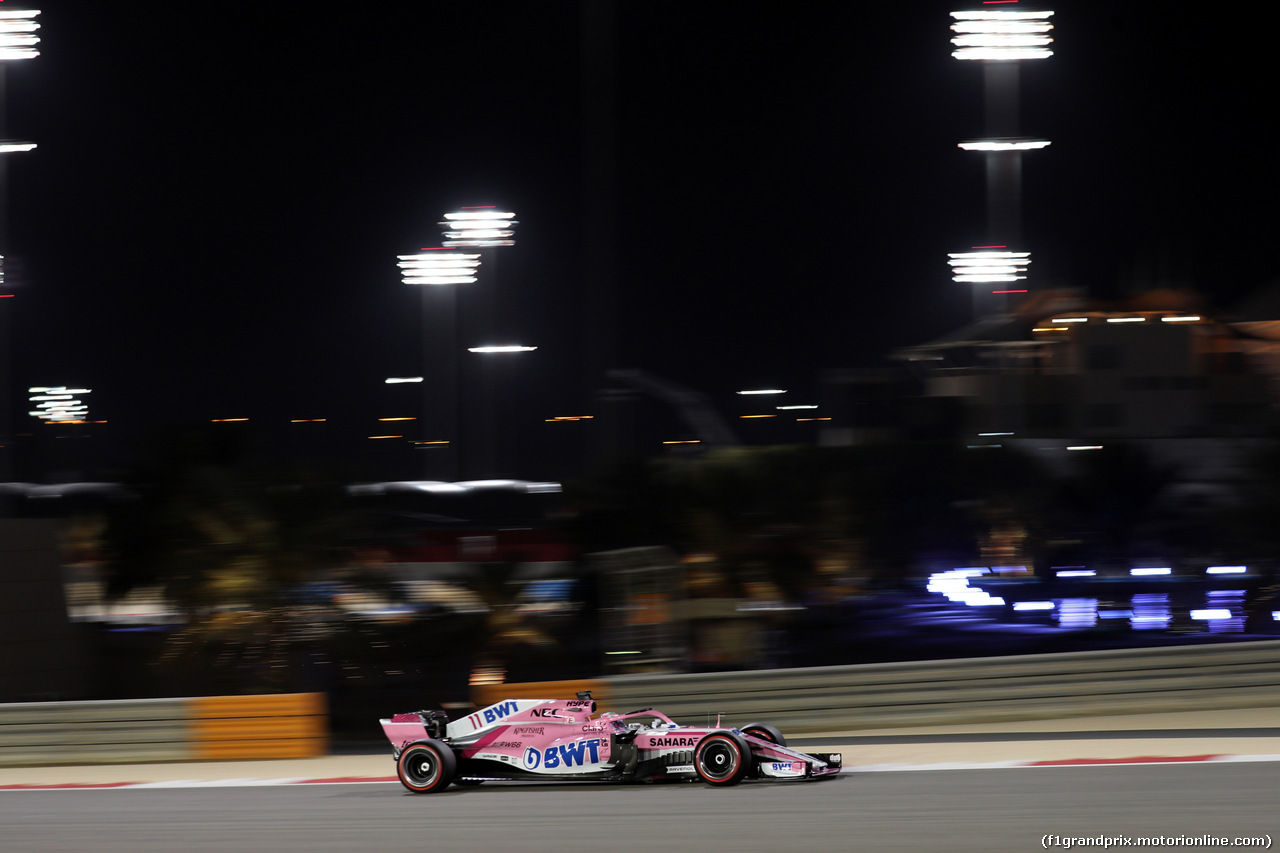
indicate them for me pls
(560, 740)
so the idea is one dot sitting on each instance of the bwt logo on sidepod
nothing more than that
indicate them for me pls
(497, 712)
(580, 753)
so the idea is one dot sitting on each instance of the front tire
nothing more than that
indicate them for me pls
(722, 758)
(764, 731)
(426, 767)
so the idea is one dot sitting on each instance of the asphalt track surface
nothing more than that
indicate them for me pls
(978, 810)
(1189, 774)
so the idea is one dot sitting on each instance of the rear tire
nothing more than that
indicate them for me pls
(722, 758)
(426, 767)
(764, 731)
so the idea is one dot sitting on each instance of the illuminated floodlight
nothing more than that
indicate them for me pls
(1190, 318)
(988, 266)
(1001, 53)
(1126, 319)
(17, 34)
(10, 146)
(1163, 570)
(1033, 605)
(1001, 35)
(1226, 570)
(1076, 573)
(512, 348)
(1211, 614)
(983, 434)
(479, 227)
(431, 266)
(789, 408)
(765, 391)
(58, 403)
(1069, 320)
(400, 380)
(1007, 144)
(1085, 447)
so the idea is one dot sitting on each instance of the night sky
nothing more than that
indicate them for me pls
(210, 224)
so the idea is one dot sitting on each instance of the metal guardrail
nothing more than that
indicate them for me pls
(976, 690)
(293, 725)
(948, 692)
(839, 698)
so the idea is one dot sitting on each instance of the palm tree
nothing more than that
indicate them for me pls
(231, 546)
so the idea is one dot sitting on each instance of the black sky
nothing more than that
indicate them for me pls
(210, 223)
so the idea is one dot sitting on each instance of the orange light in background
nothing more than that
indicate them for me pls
(684, 441)
(757, 416)
(228, 420)
(397, 419)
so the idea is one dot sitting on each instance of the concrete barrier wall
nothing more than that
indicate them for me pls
(976, 690)
(291, 725)
(999, 689)
(841, 698)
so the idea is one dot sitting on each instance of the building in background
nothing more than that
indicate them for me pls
(1065, 372)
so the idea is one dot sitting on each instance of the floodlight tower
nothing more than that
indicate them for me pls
(18, 40)
(484, 228)
(439, 271)
(1000, 39)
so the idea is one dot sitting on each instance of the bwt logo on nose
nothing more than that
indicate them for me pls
(576, 754)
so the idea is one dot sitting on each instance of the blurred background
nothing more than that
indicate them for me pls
(708, 396)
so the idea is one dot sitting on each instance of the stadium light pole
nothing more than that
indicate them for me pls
(1000, 39)
(482, 228)
(18, 40)
(438, 271)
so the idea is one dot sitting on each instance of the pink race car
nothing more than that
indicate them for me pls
(556, 739)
